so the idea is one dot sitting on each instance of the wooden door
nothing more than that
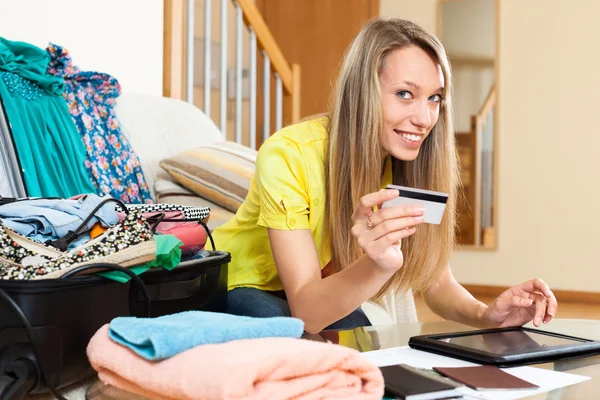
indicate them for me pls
(315, 34)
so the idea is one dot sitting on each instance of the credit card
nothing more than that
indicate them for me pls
(434, 202)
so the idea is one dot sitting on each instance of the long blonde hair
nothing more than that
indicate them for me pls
(355, 159)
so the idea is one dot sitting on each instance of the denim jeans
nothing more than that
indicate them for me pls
(49, 219)
(258, 303)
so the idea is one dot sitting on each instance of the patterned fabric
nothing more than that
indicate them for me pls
(189, 212)
(13, 252)
(220, 172)
(21, 86)
(111, 163)
(129, 232)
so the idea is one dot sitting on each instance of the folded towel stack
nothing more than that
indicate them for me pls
(267, 368)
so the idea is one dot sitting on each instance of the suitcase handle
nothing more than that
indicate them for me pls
(114, 267)
(176, 290)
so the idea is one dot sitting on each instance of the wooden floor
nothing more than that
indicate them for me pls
(565, 310)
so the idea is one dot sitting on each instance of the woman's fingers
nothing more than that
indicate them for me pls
(379, 233)
(390, 213)
(540, 308)
(367, 202)
(392, 225)
(551, 308)
(536, 285)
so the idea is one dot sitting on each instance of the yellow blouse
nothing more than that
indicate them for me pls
(286, 193)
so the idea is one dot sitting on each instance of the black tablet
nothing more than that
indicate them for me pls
(506, 347)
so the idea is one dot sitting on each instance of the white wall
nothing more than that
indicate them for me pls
(121, 37)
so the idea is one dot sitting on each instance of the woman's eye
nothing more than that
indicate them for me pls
(436, 97)
(403, 94)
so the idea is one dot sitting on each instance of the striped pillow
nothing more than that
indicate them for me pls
(219, 172)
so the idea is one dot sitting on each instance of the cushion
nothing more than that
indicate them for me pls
(159, 127)
(219, 172)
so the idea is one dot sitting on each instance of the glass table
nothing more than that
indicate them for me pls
(388, 336)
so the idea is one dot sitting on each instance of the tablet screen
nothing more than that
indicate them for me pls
(509, 342)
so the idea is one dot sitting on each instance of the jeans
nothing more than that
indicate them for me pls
(50, 219)
(258, 303)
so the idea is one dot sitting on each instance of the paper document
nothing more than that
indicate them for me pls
(546, 380)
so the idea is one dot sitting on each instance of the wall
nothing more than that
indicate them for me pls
(476, 18)
(549, 164)
(122, 38)
(468, 29)
(422, 12)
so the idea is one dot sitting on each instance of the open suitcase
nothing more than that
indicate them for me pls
(45, 325)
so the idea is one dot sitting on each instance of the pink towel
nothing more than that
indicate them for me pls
(271, 368)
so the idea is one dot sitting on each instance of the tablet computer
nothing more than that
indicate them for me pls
(506, 347)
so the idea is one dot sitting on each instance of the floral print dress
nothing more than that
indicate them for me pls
(113, 166)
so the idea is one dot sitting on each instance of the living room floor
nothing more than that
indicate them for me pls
(565, 310)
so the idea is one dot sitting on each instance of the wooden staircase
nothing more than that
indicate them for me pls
(475, 224)
(243, 118)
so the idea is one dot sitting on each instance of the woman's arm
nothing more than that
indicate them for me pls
(321, 302)
(530, 301)
(448, 299)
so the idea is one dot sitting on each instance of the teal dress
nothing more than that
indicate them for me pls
(49, 147)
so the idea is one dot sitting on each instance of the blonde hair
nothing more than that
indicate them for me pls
(355, 158)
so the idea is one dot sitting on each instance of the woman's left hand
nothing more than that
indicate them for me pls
(531, 300)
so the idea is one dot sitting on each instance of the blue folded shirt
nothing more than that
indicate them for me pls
(164, 337)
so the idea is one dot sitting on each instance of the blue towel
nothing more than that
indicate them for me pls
(164, 337)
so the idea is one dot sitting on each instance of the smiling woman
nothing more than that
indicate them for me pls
(412, 84)
(311, 240)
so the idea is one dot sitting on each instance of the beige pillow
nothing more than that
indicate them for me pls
(219, 172)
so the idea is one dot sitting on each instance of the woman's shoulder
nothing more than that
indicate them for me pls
(306, 132)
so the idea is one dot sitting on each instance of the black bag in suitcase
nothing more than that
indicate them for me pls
(45, 325)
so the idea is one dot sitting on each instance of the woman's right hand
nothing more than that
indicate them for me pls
(379, 233)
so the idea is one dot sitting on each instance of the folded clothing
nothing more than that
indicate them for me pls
(163, 337)
(51, 219)
(266, 368)
(167, 256)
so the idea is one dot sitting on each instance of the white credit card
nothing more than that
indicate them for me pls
(434, 202)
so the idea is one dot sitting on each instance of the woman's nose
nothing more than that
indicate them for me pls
(421, 115)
